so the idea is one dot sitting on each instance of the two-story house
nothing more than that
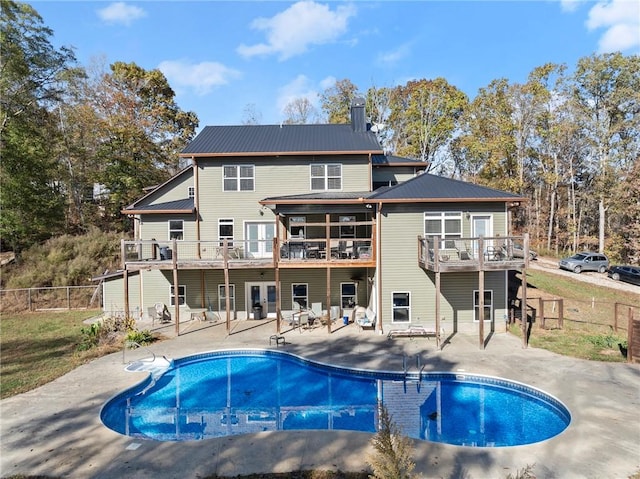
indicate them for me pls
(270, 219)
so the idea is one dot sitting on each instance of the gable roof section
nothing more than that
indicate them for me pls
(256, 140)
(431, 188)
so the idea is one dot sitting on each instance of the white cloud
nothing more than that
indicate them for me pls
(291, 32)
(621, 21)
(392, 57)
(570, 5)
(328, 82)
(200, 77)
(121, 13)
(299, 87)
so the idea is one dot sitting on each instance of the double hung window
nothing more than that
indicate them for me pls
(401, 312)
(182, 295)
(222, 297)
(488, 305)
(446, 225)
(348, 294)
(300, 295)
(326, 177)
(238, 178)
(225, 230)
(176, 229)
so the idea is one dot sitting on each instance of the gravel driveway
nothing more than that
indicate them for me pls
(550, 265)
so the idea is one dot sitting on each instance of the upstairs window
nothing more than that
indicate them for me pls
(446, 225)
(192, 192)
(238, 178)
(225, 230)
(176, 229)
(326, 177)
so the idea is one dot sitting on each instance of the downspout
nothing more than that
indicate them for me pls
(196, 201)
(378, 276)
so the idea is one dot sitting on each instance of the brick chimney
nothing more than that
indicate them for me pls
(358, 119)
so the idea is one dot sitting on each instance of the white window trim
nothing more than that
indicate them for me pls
(343, 296)
(169, 230)
(475, 306)
(393, 307)
(239, 178)
(325, 176)
(182, 287)
(226, 222)
(442, 217)
(222, 305)
(293, 296)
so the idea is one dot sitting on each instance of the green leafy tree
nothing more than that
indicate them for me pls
(606, 92)
(486, 148)
(123, 130)
(336, 101)
(31, 81)
(424, 117)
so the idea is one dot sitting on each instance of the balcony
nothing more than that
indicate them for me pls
(293, 253)
(472, 254)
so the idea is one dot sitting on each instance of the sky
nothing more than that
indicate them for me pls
(223, 58)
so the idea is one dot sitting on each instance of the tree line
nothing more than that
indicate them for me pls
(80, 143)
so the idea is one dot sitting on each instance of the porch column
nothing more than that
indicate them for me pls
(523, 307)
(327, 234)
(481, 306)
(125, 277)
(438, 339)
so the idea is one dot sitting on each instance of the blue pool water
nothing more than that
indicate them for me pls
(240, 392)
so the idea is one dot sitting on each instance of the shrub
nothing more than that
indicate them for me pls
(394, 451)
(141, 338)
(107, 331)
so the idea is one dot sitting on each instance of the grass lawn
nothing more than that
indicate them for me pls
(589, 317)
(36, 348)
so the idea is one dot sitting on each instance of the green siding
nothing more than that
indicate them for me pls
(401, 225)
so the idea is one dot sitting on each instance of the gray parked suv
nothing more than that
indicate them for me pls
(585, 262)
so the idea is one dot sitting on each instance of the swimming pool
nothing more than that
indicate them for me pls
(235, 392)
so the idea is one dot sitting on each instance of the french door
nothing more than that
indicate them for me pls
(261, 294)
(481, 227)
(259, 239)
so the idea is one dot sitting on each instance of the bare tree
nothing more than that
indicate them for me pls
(251, 115)
(300, 111)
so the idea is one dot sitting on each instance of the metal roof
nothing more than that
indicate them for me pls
(177, 206)
(392, 160)
(319, 197)
(427, 187)
(281, 140)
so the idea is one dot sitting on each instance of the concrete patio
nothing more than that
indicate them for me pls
(55, 430)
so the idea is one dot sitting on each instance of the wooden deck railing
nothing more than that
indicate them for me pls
(473, 254)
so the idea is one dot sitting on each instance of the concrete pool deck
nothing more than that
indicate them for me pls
(56, 431)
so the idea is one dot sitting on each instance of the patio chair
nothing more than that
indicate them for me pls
(365, 318)
(162, 313)
(464, 252)
(317, 313)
